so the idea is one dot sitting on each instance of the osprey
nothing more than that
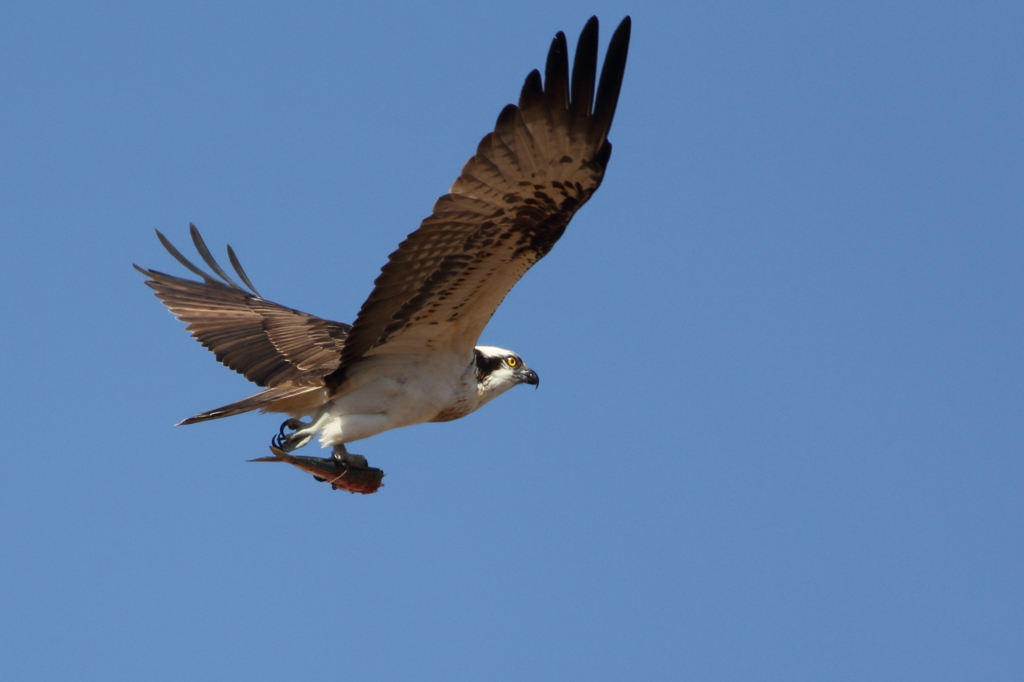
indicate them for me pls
(411, 356)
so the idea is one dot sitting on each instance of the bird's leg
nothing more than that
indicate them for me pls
(343, 456)
(301, 433)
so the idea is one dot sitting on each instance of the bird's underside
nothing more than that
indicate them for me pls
(411, 355)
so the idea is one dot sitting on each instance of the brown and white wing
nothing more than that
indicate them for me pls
(271, 345)
(511, 203)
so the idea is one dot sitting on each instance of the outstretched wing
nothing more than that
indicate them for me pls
(269, 344)
(511, 203)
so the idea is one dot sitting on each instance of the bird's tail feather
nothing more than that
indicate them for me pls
(293, 400)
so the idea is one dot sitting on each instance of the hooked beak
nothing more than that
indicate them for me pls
(528, 376)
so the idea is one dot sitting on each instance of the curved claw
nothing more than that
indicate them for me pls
(284, 440)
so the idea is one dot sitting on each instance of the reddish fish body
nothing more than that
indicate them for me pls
(341, 475)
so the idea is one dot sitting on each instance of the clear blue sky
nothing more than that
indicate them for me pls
(780, 429)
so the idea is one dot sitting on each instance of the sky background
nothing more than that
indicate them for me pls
(779, 433)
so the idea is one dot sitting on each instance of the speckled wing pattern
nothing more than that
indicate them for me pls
(271, 345)
(511, 203)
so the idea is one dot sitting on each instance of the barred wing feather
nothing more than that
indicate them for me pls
(511, 203)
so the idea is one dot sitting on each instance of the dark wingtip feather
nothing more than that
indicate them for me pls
(532, 93)
(237, 265)
(181, 259)
(611, 78)
(506, 120)
(556, 75)
(584, 71)
(204, 252)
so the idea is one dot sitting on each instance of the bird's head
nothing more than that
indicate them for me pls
(498, 370)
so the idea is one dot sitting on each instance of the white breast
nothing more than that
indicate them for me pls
(386, 392)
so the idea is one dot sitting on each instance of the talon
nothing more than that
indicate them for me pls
(343, 457)
(290, 441)
(281, 439)
(339, 453)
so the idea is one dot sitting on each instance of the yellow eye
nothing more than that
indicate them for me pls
(512, 362)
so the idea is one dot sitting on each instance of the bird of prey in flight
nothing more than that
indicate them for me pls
(410, 356)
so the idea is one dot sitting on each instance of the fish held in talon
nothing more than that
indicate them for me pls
(412, 354)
